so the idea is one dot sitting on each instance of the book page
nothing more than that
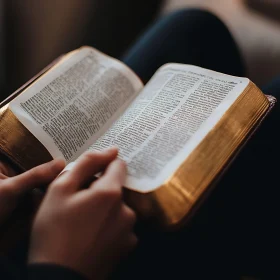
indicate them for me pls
(168, 119)
(74, 103)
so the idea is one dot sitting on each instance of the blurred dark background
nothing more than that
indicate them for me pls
(33, 32)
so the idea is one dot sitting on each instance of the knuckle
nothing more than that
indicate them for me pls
(129, 215)
(111, 194)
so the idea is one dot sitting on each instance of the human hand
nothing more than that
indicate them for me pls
(13, 187)
(85, 229)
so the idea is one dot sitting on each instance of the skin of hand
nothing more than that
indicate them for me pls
(87, 229)
(13, 187)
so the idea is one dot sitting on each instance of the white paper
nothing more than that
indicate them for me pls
(75, 103)
(168, 119)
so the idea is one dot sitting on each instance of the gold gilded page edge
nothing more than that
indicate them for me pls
(174, 180)
(149, 204)
(19, 144)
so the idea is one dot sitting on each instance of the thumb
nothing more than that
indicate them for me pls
(39, 176)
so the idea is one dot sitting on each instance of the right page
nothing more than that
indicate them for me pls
(169, 118)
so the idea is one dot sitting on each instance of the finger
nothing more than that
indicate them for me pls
(124, 230)
(107, 190)
(120, 224)
(39, 176)
(122, 216)
(112, 179)
(85, 168)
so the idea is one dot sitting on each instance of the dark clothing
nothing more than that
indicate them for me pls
(52, 272)
(235, 232)
(35, 272)
(186, 36)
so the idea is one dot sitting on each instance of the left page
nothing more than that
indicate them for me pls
(75, 103)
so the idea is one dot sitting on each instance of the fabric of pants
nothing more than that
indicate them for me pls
(235, 232)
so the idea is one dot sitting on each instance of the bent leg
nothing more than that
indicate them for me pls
(186, 36)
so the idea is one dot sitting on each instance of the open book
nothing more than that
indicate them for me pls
(177, 133)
